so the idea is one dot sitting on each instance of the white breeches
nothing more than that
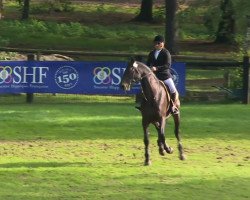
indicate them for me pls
(170, 83)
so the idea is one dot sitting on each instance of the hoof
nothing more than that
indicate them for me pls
(182, 157)
(147, 163)
(170, 150)
(161, 152)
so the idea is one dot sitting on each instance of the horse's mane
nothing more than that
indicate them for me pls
(145, 68)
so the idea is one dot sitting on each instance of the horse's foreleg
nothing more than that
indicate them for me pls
(177, 135)
(161, 138)
(146, 143)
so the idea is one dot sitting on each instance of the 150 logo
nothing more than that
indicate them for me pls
(66, 77)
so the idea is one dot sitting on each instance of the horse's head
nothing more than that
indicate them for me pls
(131, 75)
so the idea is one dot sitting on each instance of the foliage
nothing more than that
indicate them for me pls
(91, 25)
(205, 16)
(226, 28)
(195, 24)
(159, 14)
(49, 6)
(41, 33)
(211, 19)
(3, 41)
(236, 76)
(75, 29)
(242, 8)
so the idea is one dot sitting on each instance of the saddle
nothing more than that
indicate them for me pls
(166, 89)
(140, 96)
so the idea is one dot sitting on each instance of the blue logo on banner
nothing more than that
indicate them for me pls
(175, 76)
(5, 74)
(102, 75)
(71, 77)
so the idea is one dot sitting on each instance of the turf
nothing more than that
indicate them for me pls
(95, 151)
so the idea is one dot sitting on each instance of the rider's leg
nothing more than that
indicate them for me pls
(173, 91)
(170, 83)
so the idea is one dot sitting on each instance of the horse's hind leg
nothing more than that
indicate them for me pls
(177, 135)
(146, 143)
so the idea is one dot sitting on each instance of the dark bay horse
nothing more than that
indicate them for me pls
(155, 106)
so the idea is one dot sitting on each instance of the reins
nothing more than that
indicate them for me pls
(142, 77)
(145, 76)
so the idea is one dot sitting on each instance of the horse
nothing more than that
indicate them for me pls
(155, 106)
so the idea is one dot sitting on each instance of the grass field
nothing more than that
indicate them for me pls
(95, 151)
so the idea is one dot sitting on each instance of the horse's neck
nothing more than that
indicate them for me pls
(144, 70)
(149, 83)
(150, 86)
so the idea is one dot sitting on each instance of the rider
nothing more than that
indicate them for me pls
(159, 60)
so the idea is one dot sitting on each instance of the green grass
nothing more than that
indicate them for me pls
(194, 74)
(95, 151)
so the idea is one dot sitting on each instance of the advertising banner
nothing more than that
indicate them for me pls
(71, 77)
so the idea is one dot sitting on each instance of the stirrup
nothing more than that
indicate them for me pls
(175, 110)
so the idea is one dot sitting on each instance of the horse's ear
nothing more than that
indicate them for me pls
(132, 60)
(138, 58)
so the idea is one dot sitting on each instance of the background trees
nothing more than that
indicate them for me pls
(110, 25)
(171, 28)
(226, 27)
(26, 9)
(1, 9)
(146, 11)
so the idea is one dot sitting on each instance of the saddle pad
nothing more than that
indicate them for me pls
(166, 89)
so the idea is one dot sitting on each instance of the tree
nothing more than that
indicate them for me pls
(26, 9)
(171, 30)
(146, 12)
(1, 9)
(226, 28)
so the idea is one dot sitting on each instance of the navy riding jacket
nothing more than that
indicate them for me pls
(163, 64)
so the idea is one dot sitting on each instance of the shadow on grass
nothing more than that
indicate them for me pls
(44, 165)
(117, 121)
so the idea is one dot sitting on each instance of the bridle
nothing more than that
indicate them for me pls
(135, 67)
(134, 80)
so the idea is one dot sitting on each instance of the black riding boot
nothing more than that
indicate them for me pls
(175, 110)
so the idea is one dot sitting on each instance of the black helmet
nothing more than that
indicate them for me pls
(159, 38)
